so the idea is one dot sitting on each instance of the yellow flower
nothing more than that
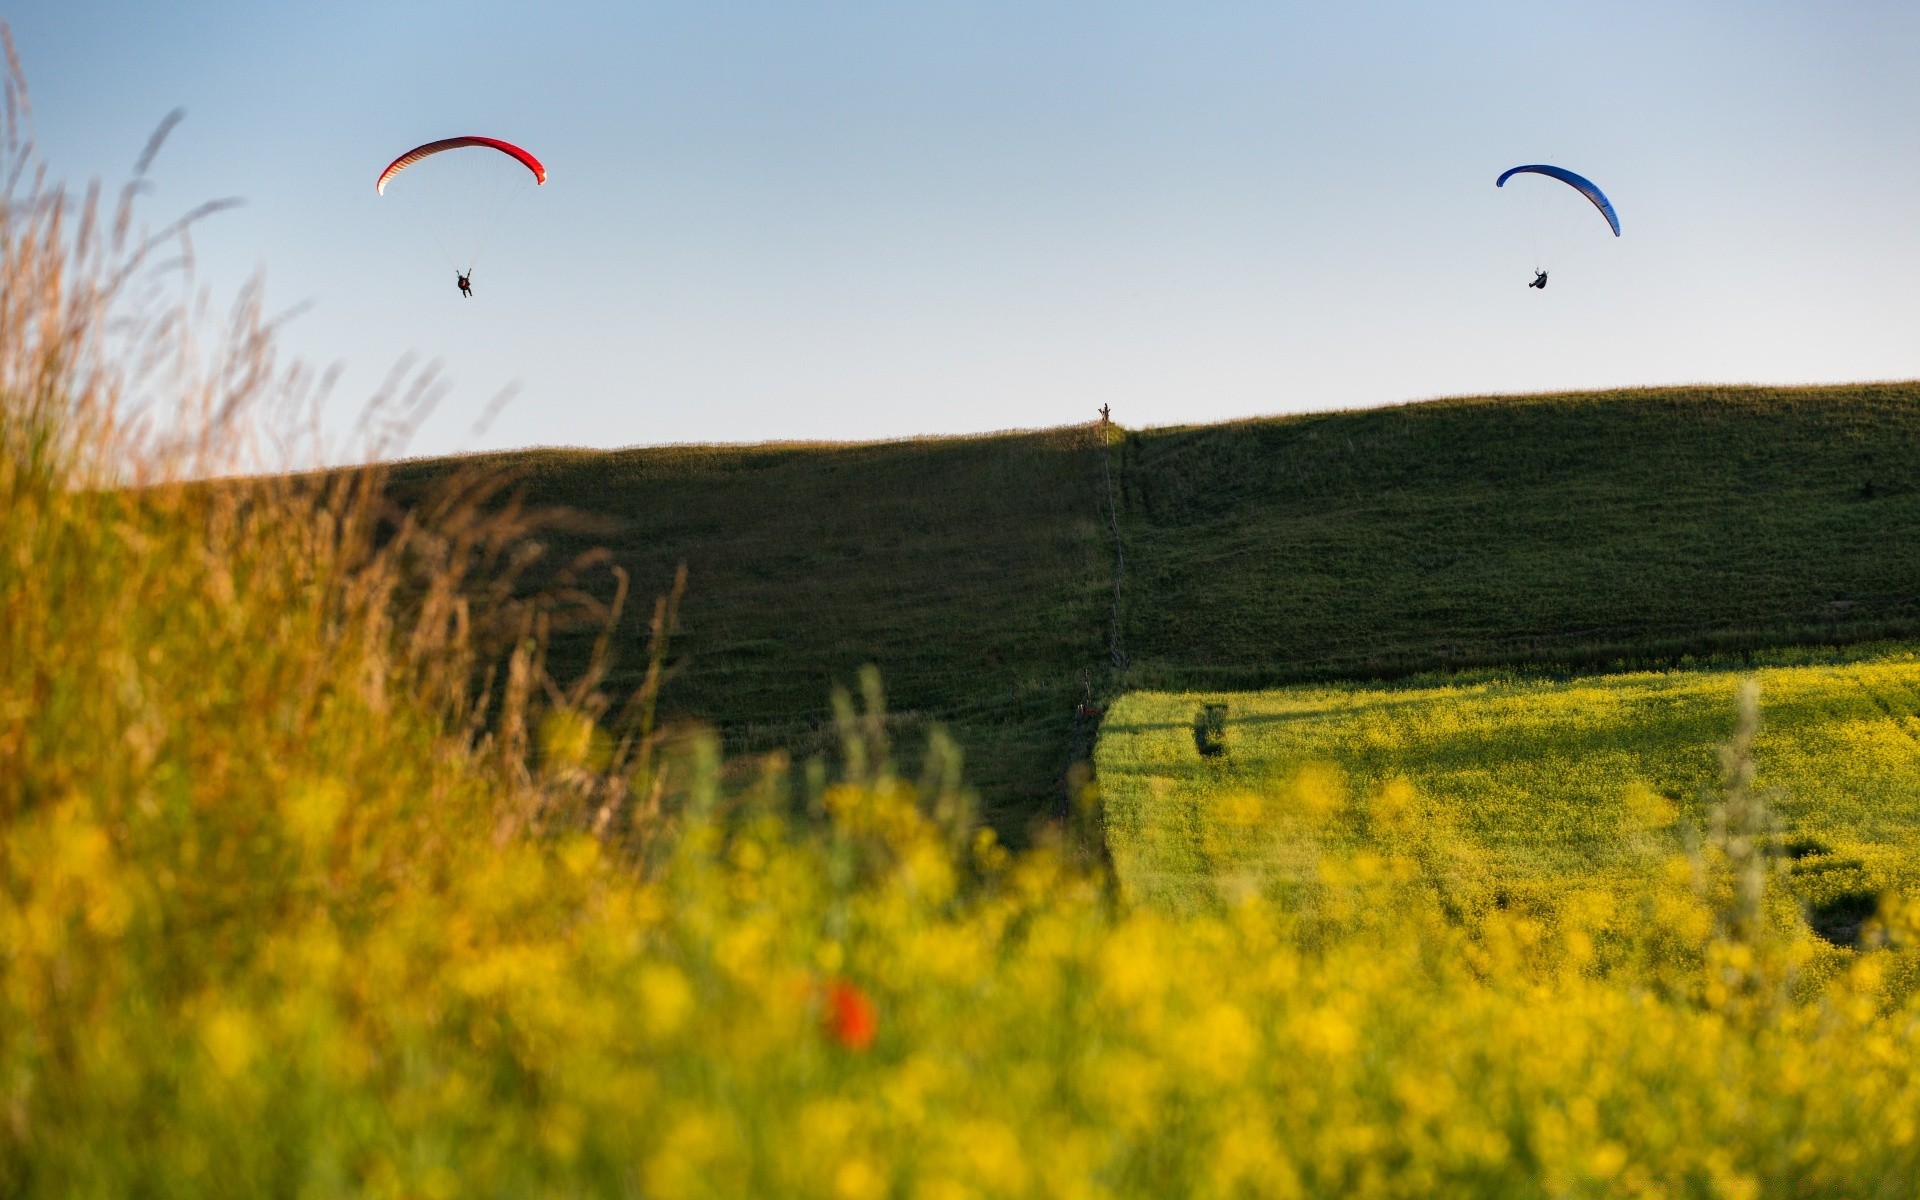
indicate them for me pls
(230, 1041)
(666, 1000)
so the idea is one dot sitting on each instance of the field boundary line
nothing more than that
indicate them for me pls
(1114, 651)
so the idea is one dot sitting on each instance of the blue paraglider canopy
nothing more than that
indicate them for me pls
(1578, 183)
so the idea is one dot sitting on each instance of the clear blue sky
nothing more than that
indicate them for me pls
(861, 220)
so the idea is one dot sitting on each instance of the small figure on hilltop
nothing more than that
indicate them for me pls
(1087, 710)
(1539, 280)
(466, 284)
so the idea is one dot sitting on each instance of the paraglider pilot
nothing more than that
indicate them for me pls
(1539, 280)
(466, 285)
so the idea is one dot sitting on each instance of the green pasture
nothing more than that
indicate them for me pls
(1546, 781)
(970, 570)
(1582, 529)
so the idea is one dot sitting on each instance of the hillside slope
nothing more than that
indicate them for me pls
(970, 570)
(1576, 530)
(1567, 529)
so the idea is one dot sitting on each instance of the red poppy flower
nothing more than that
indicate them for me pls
(850, 1018)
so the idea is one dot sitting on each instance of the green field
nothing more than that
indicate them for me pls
(1573, 530)
(1549, 782)
(1576, 529)
(970, 570)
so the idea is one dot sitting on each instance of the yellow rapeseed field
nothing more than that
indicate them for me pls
(313, 883)
(1543, 784)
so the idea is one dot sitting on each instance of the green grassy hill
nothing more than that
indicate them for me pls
(1575, 529)
(970, 570)
(1615, 528)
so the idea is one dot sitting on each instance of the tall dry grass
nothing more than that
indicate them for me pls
(160, 541)
(236, 700)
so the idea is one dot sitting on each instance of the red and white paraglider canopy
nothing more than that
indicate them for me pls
(454, 143)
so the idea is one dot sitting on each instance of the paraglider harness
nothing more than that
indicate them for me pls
(1539, 280)
(466, 285)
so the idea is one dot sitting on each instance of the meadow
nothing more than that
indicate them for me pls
(1547, 784)
(1579, 530)
(970, 570)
